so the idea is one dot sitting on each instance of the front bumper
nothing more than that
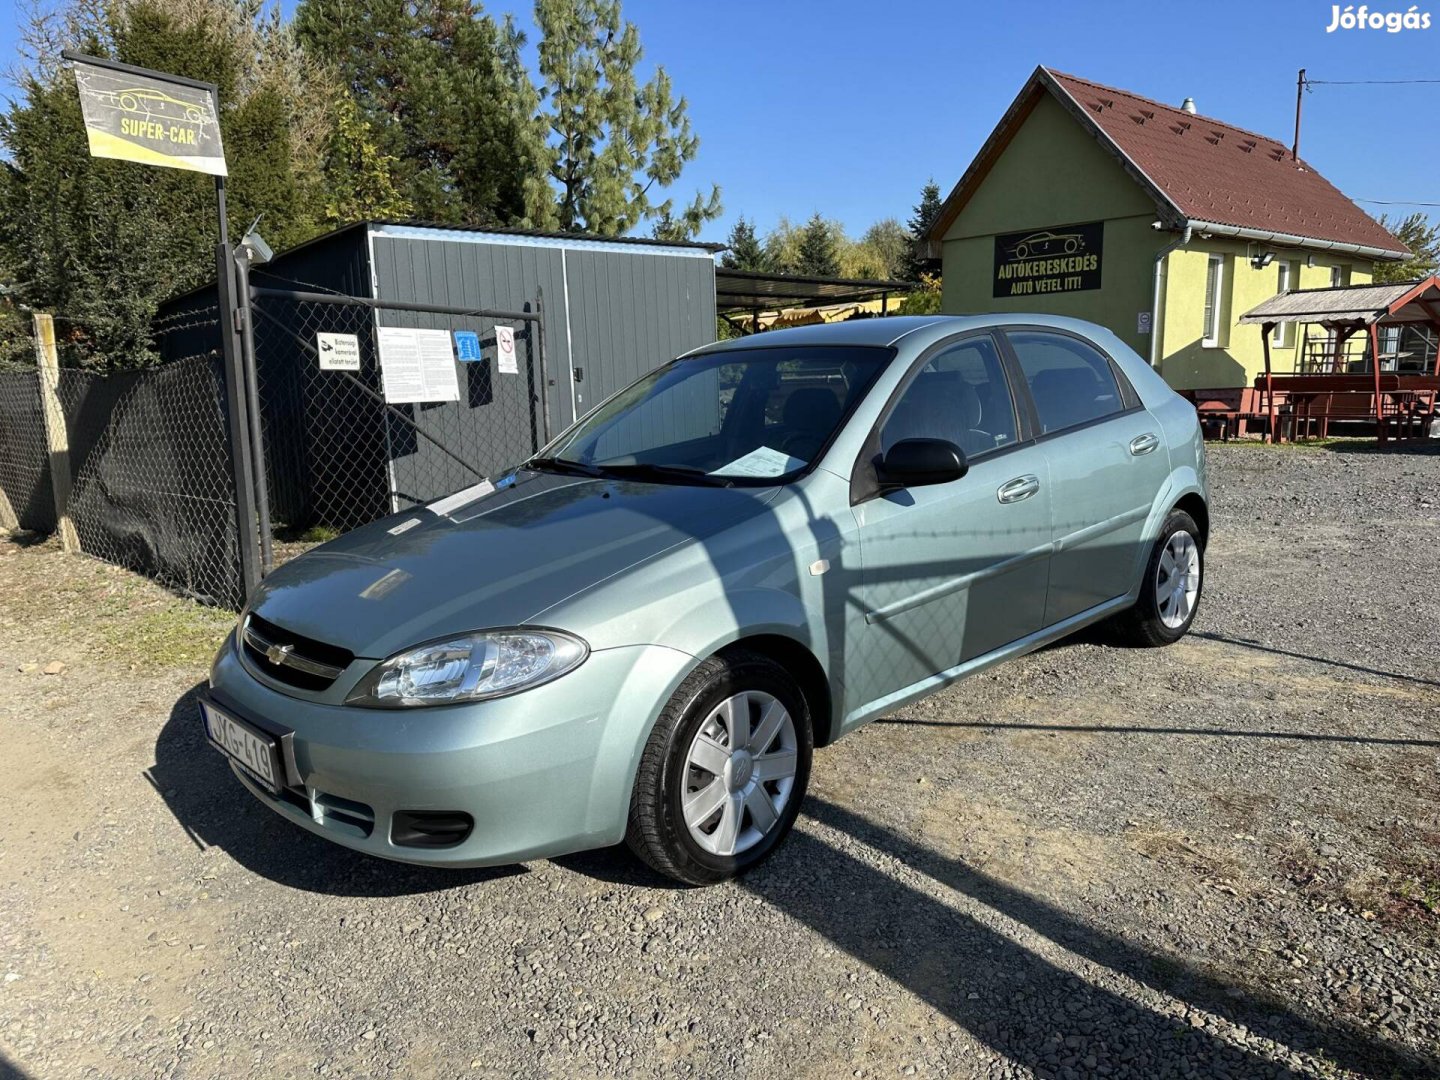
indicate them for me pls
(543, 772)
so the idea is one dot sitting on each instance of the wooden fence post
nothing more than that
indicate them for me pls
(47, 359)
(8, 521)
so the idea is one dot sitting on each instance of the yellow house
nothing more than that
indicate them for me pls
(1162, 224)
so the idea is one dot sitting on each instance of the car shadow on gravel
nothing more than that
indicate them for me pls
(1022, 1005)
(216, 811)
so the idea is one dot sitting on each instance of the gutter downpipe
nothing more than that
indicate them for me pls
(1156, 323)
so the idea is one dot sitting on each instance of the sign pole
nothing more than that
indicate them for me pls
(241, 458)
(245, 321)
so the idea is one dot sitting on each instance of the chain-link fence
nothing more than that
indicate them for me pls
(152, 481)
(151, 488)
(24, 464)
(339, 454)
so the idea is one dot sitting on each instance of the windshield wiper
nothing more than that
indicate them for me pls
(563, 465)
(686, 473)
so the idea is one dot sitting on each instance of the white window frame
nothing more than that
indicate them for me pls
(1283, 336)
(1214, 301)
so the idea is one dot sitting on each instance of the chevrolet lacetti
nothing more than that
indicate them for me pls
(641, 632)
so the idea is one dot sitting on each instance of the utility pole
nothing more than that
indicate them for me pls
(1299, 95)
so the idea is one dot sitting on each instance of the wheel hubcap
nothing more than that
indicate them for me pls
(739, 773)
(1177, 579)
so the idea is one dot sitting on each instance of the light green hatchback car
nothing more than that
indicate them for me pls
(642, 632)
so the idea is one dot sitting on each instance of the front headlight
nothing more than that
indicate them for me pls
(470, 667)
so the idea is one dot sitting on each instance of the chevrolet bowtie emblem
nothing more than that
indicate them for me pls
(276, 654)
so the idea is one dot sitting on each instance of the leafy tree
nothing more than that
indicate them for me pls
(925, 300)
(817, 254)
(745, 251)
(445, 107)
(362, 175)
(613, 141)
(99, 243)
(926, 211)
(880, 253)
(1422, 237)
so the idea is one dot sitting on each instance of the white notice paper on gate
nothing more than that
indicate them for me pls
(417, 365)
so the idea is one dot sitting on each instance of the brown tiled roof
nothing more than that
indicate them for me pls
(1205, 169)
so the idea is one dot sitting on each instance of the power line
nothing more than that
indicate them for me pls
(1396, 202)
(1369, 82)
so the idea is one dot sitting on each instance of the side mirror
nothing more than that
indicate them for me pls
(917, 462)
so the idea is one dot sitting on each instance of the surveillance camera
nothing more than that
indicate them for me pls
(257, 251)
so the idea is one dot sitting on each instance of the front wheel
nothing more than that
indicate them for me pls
(1170, 591)
(723, 773)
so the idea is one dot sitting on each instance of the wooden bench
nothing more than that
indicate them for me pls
(1229, 407)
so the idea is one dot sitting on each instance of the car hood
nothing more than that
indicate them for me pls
(495, 561)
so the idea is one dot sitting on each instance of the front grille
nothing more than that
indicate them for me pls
(291, 658)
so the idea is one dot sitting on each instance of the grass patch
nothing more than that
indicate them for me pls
(315, 534)
(72, 603)
(179, 633)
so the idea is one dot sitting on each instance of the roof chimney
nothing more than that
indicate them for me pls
(1188, 105)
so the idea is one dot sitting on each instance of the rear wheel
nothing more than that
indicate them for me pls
(722, 776)
(1170, 592)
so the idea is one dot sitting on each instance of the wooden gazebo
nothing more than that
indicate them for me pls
(1329, 383)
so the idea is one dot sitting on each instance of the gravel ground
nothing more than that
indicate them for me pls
(1218, 859)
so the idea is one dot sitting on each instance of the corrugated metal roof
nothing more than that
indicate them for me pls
(1364, 304)
(502, 231)
(750, 290)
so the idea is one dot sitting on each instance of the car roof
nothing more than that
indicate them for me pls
(918, 331)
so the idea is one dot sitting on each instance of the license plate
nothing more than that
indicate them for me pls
(255, 752)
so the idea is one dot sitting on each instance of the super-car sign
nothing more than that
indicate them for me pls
(149, 118)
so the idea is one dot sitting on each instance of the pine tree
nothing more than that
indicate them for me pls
(612, 141)
(745, 252)
(443, 97)
(926, 211)
(817, 255)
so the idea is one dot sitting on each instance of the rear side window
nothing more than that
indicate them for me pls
(1070, 380)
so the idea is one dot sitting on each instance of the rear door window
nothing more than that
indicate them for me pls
(1071, 381)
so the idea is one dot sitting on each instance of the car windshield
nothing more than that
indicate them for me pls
(744, 416)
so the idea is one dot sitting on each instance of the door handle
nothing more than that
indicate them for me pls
(1019, 489)
(1143, 444)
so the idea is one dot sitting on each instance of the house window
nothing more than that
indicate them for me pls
(1338, 274)
(1214, 284)
(1284, 334)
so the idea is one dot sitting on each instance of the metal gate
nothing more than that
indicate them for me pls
(338, 454)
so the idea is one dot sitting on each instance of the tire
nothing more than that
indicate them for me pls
(1160, 617)
(693, 732)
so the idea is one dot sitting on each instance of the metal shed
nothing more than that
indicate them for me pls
(615, 307)
(591, 315)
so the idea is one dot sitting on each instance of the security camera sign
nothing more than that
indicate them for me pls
(338, 352)
(149, 118)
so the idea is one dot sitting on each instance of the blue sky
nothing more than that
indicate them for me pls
(847, 107)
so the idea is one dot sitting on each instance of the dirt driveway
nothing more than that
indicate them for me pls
(1220, 859)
